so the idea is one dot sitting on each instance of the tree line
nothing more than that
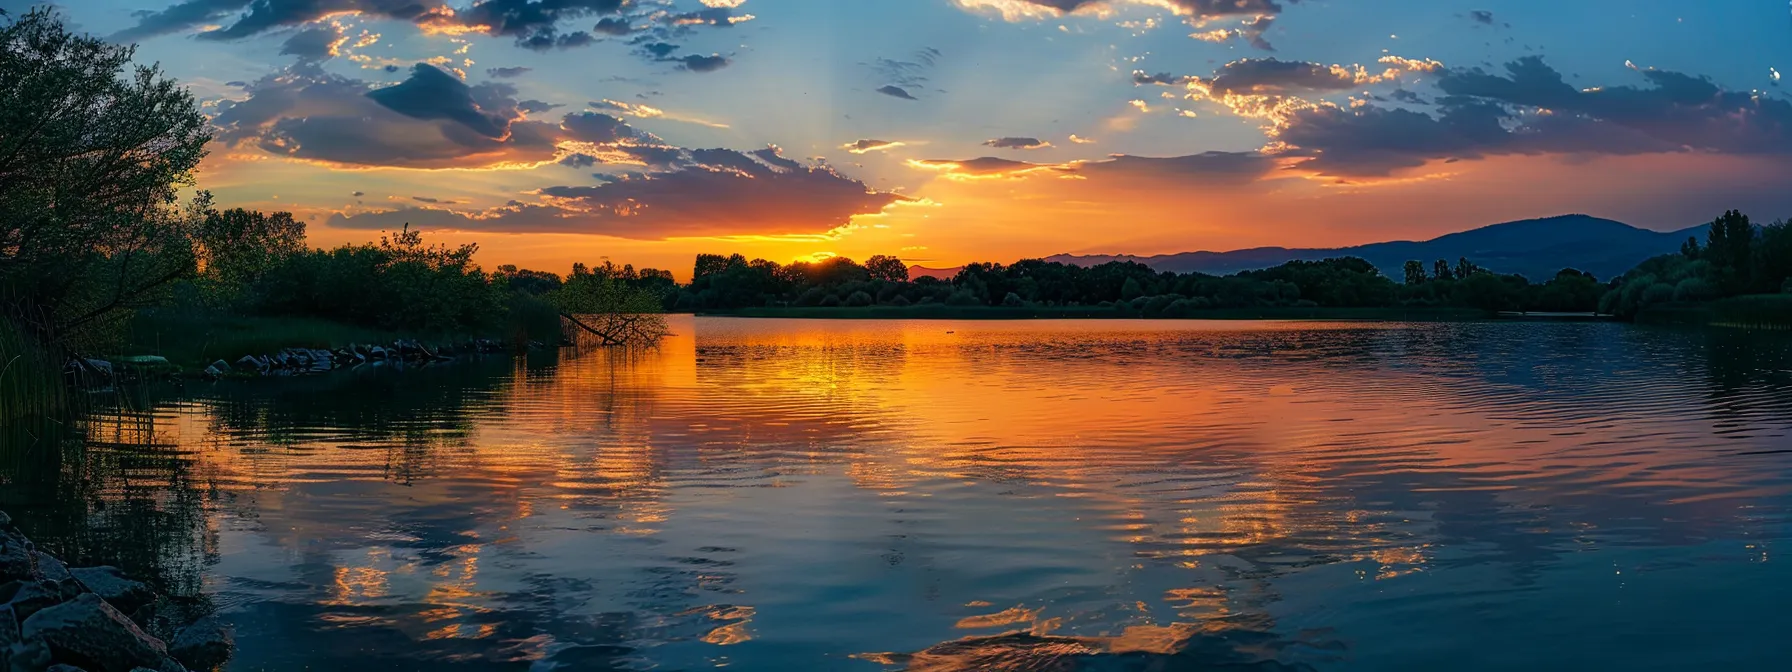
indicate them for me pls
(734, 282)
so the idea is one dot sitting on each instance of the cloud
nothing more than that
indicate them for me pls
(506, 73)
(1074, 138)
(700, 63)
(1532, 110)
(536, 106)
(863, 146)
(613, 26)
(1017, 143)
(597, 128)
(430, 93)
(1141, 78)
(251, 17)
(1207, 168)
(314, 44)
(729, 193)
(1481, 16)
(1256, 16)
(431, 120)
(895, 91)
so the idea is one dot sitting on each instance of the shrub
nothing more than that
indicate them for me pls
(900, 301)
(1013, 300)
(858, 299)
(830, 301)
(962, 298)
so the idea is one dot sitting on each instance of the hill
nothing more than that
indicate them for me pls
(1534, 248)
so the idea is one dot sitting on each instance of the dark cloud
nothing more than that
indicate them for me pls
(657, 156)
(527, 19)
(597, 128)
(658, 50)
(1141, 78)
(264, 15)
(506, 73)
(1257, 15)
(579, 160)
(1017, 143)
(775, 156)
(911, 72)
(1532, 110)
(536, 106)
(426, 199)
(180, 17)
(313, 44)
(545, 40)
(700, 63)
(613, 26)
(895, 92)
(1481, 16)
(425, 122)
(430, 93)
(1269, 76)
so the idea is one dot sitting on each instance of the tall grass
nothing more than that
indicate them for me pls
(30, 381)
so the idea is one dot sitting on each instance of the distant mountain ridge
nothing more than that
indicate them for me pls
(1534, 248)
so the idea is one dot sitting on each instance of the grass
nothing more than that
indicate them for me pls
(945, 312)
(30, 380)
(1753, 311)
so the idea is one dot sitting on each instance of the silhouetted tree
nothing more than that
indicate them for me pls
(887, 269)
(1441, 271)
(1415, 272)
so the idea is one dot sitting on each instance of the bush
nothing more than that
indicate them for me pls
(858, 299)
(900, 301)
(1658, 293)
(1013, 300)
(830, 301)
(811, 297)
(1695, 289)
(962, 298)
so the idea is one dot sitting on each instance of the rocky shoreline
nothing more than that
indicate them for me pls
(291, 361)
(95, 619)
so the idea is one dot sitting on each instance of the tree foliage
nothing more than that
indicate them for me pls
(93, 154)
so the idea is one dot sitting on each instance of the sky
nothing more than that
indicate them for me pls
(949, 131)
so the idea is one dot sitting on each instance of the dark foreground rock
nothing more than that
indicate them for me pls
(94, 619)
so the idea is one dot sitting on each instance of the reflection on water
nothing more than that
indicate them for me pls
(768, 494)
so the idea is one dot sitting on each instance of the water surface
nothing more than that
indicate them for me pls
(1043, 495)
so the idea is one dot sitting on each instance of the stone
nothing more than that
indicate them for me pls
(111, 585)
(221, 365)
(213, 372)
(5, 520)
(48, 567)
(65, 667)
(29, 597)
(100, 366)
(89, 630)
(18, 558)
(204, 645)
(250, 362)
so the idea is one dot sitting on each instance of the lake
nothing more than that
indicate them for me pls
(1029, 495)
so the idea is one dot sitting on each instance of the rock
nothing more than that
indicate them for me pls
(90, 630)
(5, 520)
(221, 365)
(29, 597)
(204, 645)
(18, 558)
(112, 585)
(9, 630)
(213, 372)
(48, 567)
(65, 667)
(376, 352)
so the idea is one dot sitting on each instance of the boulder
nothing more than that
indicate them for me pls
(112, 585)
(89, 630)
(48, 567)
(65, 667)
(221, 365)
(204, 645)
(213, 372)
(18, 558)
(29, 597)
(251, 363)
(376, 352)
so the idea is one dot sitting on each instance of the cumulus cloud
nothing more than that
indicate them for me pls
(1530, 109)
(536, 106)
(895, 92)
(869, 145)
(1017, 143)
(701, 63)
(314, 44)
(250, 17)
(721, 193)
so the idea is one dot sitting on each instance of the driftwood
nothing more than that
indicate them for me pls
(614, 330)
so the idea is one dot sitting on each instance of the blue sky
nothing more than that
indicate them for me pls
(1386, 156)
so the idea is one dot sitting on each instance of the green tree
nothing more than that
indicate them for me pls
(887, 268)
(93, 153)
(1415, 272)
(1441, 271)
(1131, 289)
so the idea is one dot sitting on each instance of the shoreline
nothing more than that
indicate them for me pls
(995, 313)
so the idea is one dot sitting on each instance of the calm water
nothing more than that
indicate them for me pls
(783, 495)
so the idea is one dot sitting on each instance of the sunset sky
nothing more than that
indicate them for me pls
(947, 131)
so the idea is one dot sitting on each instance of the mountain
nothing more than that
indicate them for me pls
(1534, 248)
(941, 273)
